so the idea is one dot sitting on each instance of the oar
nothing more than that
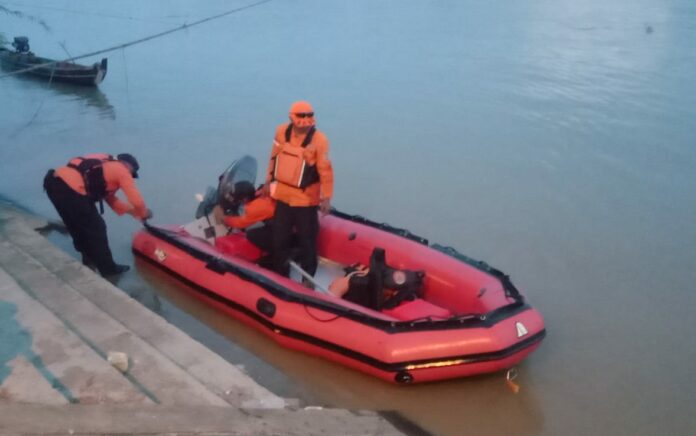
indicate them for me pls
(309, 278)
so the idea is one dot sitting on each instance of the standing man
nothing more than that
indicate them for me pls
(75, 189)
(300, 179)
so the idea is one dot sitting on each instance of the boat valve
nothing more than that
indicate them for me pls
(403, 377)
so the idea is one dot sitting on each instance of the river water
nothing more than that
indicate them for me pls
(552, 138)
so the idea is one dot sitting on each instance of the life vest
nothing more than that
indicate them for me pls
(91, 169)
(291, 168)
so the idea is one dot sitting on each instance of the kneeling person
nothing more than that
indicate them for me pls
(245, 209)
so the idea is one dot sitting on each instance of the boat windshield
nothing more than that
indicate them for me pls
(237, 183)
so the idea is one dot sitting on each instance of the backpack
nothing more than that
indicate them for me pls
(369, 289)
(92, 171)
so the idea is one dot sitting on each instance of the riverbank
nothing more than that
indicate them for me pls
(61, 325)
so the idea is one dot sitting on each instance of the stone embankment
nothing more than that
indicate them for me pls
(79, 356)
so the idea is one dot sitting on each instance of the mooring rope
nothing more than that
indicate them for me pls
(91, 14)
(38, 109)
(139, 41)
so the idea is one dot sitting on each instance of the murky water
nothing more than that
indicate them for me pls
(554, 139)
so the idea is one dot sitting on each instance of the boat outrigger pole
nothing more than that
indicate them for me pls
(307, 277)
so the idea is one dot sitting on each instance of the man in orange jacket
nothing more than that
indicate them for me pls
(300, 179)
(74, 190)
(249, 208)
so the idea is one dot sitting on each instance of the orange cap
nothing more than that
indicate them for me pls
(302, 114)
(301, 107)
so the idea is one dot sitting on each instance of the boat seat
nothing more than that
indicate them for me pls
(236, 244)
(418, 308)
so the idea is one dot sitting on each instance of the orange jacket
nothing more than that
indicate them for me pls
(117, 176)
(258, 209)
(316, 153)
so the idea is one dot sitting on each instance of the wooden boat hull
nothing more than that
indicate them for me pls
(412, 343)
(59, 71)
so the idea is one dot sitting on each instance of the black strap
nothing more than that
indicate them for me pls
(308, 138)
(98, 198)
(399, 297)
(108, 158)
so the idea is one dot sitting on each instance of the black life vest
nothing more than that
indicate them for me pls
(92, 171)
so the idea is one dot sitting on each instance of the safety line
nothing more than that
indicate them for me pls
(138, 41)
(93, 14)
(36, 113)
(21, 14)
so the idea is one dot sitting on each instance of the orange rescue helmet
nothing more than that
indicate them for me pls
(302, 114)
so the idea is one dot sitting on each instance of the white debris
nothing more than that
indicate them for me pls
(118, 360)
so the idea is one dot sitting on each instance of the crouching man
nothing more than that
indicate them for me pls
(76, 188)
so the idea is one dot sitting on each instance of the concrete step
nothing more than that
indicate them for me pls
(167, 420)
(154, 345)
(63, 319)
(154, 374)
(50, 363)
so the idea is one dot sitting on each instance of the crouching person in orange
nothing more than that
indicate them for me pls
(300, 179)
(246, 208)
(75, 189)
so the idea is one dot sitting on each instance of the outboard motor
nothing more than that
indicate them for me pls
(21, 44)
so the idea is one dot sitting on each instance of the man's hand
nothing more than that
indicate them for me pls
(325, 206)
(148, 214)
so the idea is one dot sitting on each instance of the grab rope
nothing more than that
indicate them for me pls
(141, 40)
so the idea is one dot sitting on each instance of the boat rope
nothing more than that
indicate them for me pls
(20, 14)
(125, 73)
(184, 26)
(38, 109)
(316, 318)
(65, 49)
(93, 14)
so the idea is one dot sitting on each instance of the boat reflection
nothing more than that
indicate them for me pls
(91, 97)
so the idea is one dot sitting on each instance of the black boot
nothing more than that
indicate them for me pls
(89, 263)
(117, 269)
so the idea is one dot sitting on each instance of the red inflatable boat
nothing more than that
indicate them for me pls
(465, 318)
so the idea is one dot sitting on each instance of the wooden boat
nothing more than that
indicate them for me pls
(466, 317)
(23, 59)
